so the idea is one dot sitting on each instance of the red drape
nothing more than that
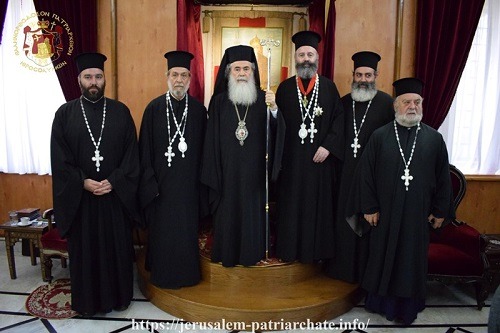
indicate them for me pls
(445, 31)
(329, 50)
(189, 39)
(317, 24)
(80, 19)
(3, 11)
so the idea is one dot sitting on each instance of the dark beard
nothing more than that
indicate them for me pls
(93, 96)
(306, 70)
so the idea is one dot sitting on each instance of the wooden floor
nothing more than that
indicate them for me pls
(287, 292)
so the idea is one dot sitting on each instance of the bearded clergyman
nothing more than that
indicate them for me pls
(402, 190)
(234, 160)
(314, 145)
(365, 109)
(171, 146)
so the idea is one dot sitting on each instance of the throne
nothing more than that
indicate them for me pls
(457, 251)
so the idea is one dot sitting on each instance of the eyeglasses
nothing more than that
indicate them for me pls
(184, 76)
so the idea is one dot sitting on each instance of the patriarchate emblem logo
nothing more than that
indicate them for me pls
(43, 45)
(41, 40)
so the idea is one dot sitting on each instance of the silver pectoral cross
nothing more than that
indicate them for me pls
(169, 154)
(97, 158)
(312, 130)
(407, 177)
(355, 146)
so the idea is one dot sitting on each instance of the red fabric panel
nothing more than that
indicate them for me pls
(450, 260)
(329, 50)
(81, 18)
(258, 22)
(189, 39)
(284, 73)
(445, 30)
(317, 24)
(52, 240)
(463, 237)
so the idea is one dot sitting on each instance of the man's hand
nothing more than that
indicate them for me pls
(372, 218)
(97, 188)
(271, 100)
(435, 221)
(321, 155)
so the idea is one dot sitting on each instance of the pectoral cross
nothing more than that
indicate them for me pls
(312, 130)
(169, 154)
(407, 177)
(97, 159)
(355, 145)
(305, 101)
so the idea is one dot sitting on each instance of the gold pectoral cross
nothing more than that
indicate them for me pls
(305, 101)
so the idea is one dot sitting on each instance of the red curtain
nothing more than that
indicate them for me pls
(445, 31)
(81, 20)
(329, 50)
(317, 24)
(3, 11)
(189, 39)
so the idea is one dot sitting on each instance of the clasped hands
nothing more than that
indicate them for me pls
(97, 188)
(372, 219)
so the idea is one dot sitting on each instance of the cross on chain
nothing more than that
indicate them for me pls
(355, 145)
(312, 130)
(169, 154)
(407, 177)
(97, 158)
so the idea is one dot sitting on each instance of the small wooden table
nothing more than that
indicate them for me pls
(14, 233)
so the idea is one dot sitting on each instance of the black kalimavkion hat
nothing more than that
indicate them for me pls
(408, 85)
(179, 59)
(90, 60)
(366, 59)
(309, 38)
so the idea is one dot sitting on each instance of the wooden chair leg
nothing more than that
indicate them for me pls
(48, 268)
(482, 292)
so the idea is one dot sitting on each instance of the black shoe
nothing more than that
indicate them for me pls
(87, 314)
(120, 308)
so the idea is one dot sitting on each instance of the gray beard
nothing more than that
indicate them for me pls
(363, 94)
(177, 94)
(244, 93)
(406, 121)
(306, 72)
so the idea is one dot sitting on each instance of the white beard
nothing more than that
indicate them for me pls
(241, 92)
(407, 120)
(361, 94)
(177, 94)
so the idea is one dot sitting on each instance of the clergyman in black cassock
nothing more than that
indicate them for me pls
(401, 199)
(234, 162)
(365, 110)
(171, 147)
(314, 144)
(95, 174)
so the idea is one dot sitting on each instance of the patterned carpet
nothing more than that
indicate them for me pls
(449, 309)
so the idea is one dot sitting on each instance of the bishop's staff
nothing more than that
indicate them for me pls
(268, 43)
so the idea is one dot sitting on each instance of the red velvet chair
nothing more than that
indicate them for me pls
(53, 246)
(456, 252)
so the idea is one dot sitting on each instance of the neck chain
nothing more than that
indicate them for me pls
(241, 131)
(180, 129)
(406, 177)
(305, 107)
(97, 158)
(93, 102)
(355, 145)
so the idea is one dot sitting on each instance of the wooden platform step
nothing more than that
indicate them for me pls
(290, 293)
